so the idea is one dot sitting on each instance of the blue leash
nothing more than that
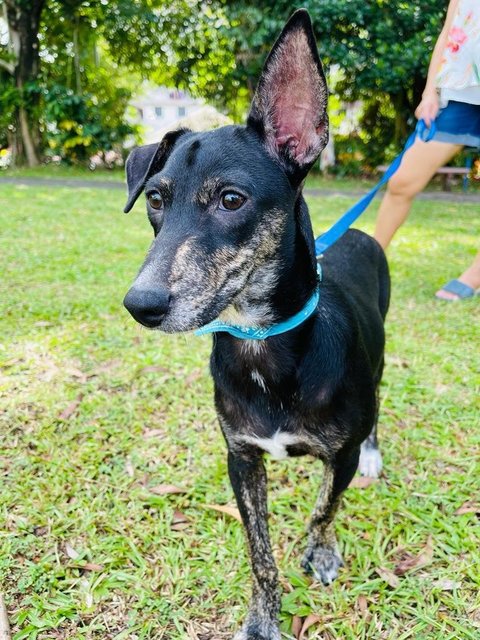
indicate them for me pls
(345, 222)
(322, 243)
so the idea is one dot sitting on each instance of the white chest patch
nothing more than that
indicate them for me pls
(276, 446)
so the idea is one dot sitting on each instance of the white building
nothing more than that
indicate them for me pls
(159, 109)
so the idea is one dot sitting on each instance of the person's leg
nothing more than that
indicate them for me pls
(419, 165)
(470, 277)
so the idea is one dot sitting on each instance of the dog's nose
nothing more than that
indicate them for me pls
(147, 306)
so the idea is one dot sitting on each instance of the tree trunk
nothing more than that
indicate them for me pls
(23, 17)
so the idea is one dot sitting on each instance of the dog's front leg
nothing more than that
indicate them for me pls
(249, 482)
(322, 557)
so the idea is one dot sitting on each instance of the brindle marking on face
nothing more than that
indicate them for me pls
(165, 186)
(207, 191)
(238, 278)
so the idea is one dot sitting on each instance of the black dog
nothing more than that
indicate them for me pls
(233, 239)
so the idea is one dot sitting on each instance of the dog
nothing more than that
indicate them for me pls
(233, 241)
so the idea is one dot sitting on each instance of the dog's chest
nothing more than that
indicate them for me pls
(280, 445)
(270, 418)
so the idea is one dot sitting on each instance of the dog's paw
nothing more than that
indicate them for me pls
(370, 463)
(257, 629)
(323, 562)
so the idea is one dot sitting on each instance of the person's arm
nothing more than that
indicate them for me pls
(429, 106)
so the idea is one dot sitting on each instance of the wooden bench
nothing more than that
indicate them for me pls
(446, 173)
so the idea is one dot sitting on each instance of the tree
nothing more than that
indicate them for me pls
(382, 47)
(22, 64)
(58, 52)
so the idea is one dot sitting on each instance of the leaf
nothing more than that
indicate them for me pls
(362, 605)
(129, 468)
(72, 407)
(193, 377)
(71, 552)
(297, 624)
(447, 585)
(179, 521)
(153, 433)
(362, 482)
(76, 373)
(225, 508)
(153, 368)
(309, 621)
(165, 489)
(91, 566)
(410, 562)
(388, 576)
(468, 507)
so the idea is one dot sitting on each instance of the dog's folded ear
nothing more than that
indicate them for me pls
(144, 162)
(289, 109)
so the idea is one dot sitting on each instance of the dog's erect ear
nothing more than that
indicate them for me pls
(145, 161)
(289, 109)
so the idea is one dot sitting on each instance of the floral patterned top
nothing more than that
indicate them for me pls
(460, 65)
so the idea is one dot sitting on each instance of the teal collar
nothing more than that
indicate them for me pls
(261, 333)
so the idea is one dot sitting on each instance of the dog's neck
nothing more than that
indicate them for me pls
(282, 286)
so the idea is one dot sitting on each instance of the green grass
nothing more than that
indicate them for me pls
(97, 411)
(315, 180)
(57, 171)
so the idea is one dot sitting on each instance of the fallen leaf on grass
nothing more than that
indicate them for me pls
(447, 585)
(72, 407)
(153, 368)
(468, 507)
(362, 605)
(388, 576)
(225, 508)
(193, 377)
(153, 433)
(92, 566)
(71, 552)
(410, 562)
(297, 624)
(129, 468)
(165, 489)
(309, 621)
(76, 373)
(362, 482)
(179, 521)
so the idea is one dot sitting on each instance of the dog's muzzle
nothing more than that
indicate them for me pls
(148, 306)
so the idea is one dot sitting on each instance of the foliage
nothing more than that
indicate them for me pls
(95, 55)
(382, 48)
(97, 413)
(78, 127)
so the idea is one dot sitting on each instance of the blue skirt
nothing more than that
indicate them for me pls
(459, 123)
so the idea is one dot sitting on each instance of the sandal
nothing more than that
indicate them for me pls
(459, 289)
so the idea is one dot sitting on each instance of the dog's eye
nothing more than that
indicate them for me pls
(155, 200)
(231, 201)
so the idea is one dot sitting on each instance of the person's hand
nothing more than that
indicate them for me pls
(428, 108)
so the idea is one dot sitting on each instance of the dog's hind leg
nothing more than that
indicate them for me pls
(370, 464)
(249, 482)
(322, 557)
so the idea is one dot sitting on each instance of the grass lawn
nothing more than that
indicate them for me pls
(99, 415)
(315, 180)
